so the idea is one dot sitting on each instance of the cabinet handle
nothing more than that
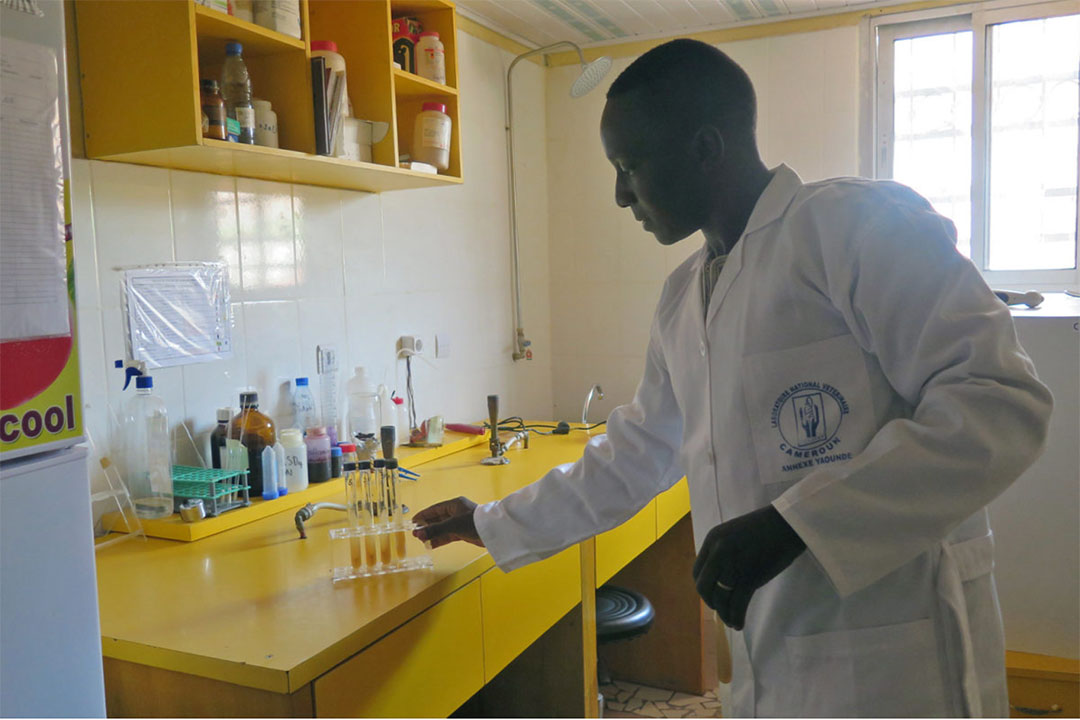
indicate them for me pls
(1054, 710)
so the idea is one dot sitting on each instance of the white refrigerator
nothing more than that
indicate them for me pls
(50, 638)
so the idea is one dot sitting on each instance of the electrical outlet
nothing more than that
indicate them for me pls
(409, 345)
(442, 345)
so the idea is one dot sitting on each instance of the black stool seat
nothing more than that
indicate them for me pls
(621, 614)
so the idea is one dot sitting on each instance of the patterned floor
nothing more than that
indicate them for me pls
(627, 700)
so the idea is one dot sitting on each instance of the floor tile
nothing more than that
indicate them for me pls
(654, 694)
(650, 710)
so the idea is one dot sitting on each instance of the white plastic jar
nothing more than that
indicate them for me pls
(296, 472)
(431, 57)
(431, 136)
(266, 130)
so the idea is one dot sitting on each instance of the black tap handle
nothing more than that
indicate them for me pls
(493, 415)
(388, 435)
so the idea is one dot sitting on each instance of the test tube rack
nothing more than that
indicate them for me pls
(377, 550)
(220, 490)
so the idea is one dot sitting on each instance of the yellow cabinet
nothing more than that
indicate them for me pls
(520, 606)
(671, 506)
(617, 547)
(1042, 685)
(426, 668)
(141, 61)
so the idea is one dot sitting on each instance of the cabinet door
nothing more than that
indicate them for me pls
(671, 505)
(1040, 697)
(426, 668)
(520, 606)
(617, 547)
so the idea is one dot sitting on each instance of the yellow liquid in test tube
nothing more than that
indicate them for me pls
(370, 553)
(384, 548)
(399, 544)
(356, 545)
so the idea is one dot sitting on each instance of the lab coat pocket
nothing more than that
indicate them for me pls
(890, 671)
(808, 406)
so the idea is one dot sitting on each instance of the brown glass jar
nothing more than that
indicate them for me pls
(255, 431)
(213, 111)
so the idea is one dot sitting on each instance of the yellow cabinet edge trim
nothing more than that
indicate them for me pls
(1048, 667)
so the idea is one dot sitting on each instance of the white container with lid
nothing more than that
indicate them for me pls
(266, 131)
(431, 57)
(296, 477)
(282, 16)
(431, 136)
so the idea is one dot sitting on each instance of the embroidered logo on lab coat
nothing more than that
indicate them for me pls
(807, 417)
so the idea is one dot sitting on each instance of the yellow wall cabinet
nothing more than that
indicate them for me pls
(140, 63)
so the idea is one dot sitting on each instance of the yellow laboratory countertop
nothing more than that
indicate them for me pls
(255, 605)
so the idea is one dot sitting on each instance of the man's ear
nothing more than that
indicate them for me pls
(708, 146)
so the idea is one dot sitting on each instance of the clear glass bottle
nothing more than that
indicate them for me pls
(148, 469)
(236, 91)
(365, 415)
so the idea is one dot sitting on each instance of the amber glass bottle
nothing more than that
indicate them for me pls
(255, 432)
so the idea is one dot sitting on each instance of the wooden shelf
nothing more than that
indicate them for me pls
(257, 40)
(407, 84)
(189, 40)
(262, 163)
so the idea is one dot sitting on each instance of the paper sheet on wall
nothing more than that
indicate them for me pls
(33, 277)
(178, 314)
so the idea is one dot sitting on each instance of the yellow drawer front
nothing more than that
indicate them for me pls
(520, 606)
(617, 547)
(671, 505)
(1039, 697)
(425, 668)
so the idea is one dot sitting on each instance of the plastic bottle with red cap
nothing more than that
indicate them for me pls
(431, 136)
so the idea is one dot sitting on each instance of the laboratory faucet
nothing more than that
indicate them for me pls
(497, 447)
(594, 390)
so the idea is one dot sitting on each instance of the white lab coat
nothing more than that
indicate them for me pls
(856, 372)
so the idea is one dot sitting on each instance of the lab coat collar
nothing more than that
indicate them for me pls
(775, 199)
(772, 204)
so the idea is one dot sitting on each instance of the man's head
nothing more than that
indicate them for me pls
(679, 129)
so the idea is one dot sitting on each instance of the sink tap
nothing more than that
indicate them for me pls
(594, 390)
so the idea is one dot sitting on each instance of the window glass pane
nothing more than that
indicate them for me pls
(932, 123)
(1034, 104)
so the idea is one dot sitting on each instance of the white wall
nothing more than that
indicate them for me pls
(606, 272)
(312, 266)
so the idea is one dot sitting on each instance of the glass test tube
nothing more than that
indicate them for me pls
(367, 513)
(396, 518)
(382, 506)
(352, 504)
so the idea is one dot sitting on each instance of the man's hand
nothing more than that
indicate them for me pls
(446, 522)
(741, 555)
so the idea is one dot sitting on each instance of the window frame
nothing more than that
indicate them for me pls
(877, 151)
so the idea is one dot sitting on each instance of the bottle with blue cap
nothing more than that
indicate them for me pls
(236, 91)
(146, 451)
(303, 406)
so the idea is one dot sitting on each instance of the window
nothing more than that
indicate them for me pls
(980, 113)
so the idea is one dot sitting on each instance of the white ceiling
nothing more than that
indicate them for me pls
(598, 22)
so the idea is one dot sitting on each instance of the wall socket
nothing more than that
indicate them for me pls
(442, 345)
(409, 345)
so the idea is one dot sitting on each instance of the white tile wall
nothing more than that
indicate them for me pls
(311, 266)
(606, 272)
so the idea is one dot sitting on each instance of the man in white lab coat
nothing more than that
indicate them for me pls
(844, 395)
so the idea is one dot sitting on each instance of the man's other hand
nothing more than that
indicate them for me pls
(741, 555)
(447, 521)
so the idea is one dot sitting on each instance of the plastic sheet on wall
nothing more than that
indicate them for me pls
(177, 313)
